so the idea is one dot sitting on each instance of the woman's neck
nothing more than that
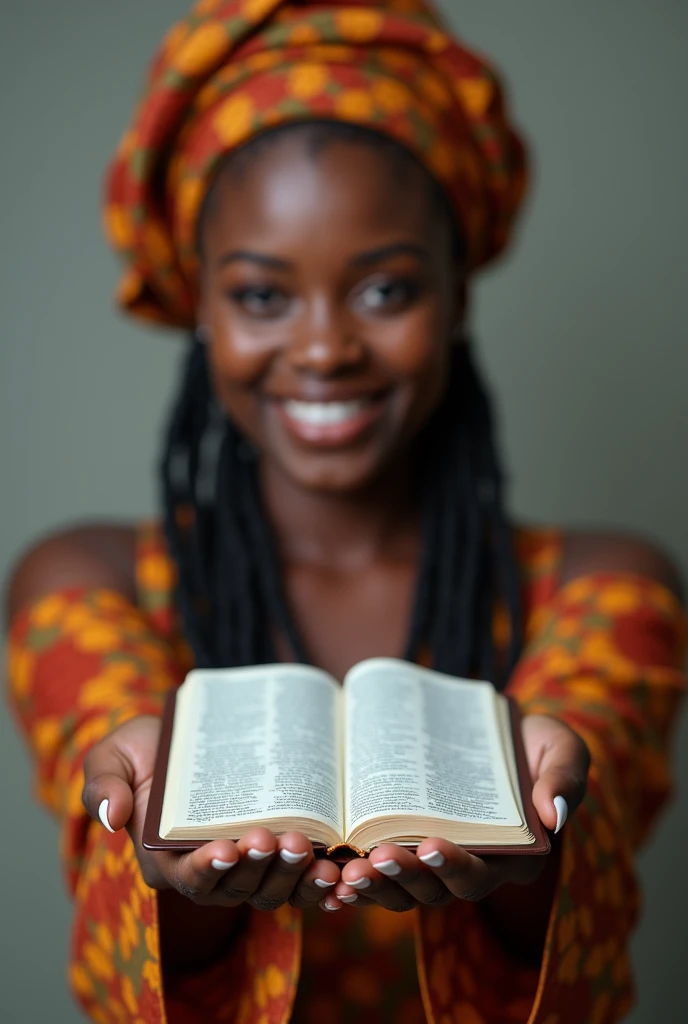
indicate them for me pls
(342, 532)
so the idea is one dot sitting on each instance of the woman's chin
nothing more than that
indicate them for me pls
(335, 473)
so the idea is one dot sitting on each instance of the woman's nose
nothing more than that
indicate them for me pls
(325, 345)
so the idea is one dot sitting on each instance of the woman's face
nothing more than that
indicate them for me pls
(328, 296)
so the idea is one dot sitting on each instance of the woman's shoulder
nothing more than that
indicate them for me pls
(551, 557)
(99, 555)
(593, 552)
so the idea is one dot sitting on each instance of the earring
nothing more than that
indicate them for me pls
(202, 334)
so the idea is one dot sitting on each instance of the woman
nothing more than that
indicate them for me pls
(309, 189)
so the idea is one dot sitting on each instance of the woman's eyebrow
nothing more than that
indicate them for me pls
(362, 259)
(396, 249)
(273, 262)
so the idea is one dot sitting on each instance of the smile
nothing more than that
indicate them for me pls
(330, 424)
(325, 413)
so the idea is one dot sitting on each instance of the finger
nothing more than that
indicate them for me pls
(345, 893)
(361, 877)
(559, 763)
(294, 855)
(197, 873)
(257, 850)
(330, 903)
(353, 899)
(465, 876)
(411, 874)
(107, 794)
(315, 884)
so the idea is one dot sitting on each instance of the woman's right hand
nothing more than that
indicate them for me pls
(260, 869)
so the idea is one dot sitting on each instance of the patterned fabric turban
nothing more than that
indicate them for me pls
(234, 68)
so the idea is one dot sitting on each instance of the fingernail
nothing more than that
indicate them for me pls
(322, 884)
(103, 814)
(562, 809)
(360, 883)
(327, 906)
(433, 860)
(387, 867)
(223, 865)
(258, 854)
(349, 899)
(292, 858)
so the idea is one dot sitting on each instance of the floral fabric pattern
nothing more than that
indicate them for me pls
(604, 653)
(235, 68)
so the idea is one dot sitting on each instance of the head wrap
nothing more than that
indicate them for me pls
(234, 68)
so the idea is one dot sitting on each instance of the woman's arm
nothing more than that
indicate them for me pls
(607, 658)
(603, 669)
(83, 660)
(521, 914)
(89, 676)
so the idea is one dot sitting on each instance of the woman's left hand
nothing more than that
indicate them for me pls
(439, 871)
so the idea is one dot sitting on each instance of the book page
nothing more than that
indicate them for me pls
(420, 743)
(258, 743)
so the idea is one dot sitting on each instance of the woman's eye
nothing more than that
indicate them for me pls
(381, 296)
(261, 300)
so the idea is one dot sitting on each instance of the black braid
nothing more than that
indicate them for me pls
(230, 593)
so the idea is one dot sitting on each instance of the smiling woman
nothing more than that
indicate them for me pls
(308, 190)
(340, 360)
(299, 320)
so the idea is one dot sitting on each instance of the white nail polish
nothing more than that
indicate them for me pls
(388, 867)
(433, 860)
(327, 906)
(360, 883)
(562, 809)
(292, 858)
(349, 899)
(223, 865)
(322, 884)
(103, 814)
(254, 854)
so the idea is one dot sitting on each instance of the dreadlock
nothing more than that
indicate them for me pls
(230, 594)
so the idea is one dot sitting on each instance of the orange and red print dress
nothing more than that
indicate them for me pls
(604, 653)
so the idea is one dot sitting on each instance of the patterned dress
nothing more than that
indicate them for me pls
(604, 653)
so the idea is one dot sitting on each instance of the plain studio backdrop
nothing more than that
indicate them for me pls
(582, 330)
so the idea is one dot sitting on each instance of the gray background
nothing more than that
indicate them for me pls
(583, 331)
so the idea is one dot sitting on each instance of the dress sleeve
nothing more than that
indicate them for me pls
(80, 664)
(606, 656)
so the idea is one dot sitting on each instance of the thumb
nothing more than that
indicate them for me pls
(107, 793)
(559, 762)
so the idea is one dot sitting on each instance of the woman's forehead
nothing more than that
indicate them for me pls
(288, 187)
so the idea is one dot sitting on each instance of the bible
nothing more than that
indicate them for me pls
(396, 754)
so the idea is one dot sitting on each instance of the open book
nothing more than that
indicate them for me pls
(396, 754)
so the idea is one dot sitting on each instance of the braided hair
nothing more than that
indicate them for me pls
(230, 593)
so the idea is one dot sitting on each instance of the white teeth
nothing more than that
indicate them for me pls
(324, 413)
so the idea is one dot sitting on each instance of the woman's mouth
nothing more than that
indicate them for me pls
(330, 424)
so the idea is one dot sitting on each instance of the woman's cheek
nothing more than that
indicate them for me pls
(416, 345)
(239, 357)
(234, 371)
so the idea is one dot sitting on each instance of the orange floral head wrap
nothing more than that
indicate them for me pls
(234, 68)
